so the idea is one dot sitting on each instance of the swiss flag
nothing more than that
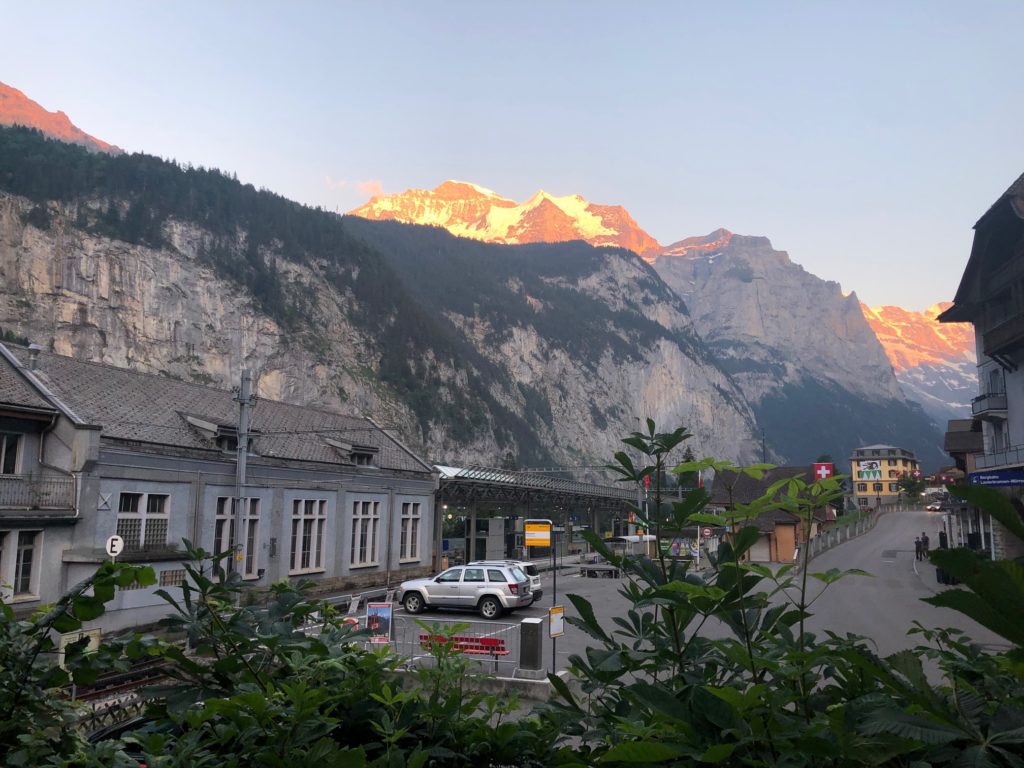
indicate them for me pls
(821, 471)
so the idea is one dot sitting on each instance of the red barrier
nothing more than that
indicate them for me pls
(477, 646)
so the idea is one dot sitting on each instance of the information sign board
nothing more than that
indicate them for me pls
(537, 533)
(556, 621)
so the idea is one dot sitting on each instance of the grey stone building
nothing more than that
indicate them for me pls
(89, 450)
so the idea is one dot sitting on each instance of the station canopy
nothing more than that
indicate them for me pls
(488, 487)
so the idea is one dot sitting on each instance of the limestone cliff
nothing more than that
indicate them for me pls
(510, 376)
(801, 350)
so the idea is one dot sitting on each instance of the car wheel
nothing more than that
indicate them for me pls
(413, 603)
(490, 608)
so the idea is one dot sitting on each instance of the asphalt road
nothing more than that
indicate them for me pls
(882, 606)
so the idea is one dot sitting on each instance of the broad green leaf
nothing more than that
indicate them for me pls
(641, 752)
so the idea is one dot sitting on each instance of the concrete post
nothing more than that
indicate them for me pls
(531, 650)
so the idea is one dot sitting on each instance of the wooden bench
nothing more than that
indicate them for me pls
(474, 646)
(599, 571)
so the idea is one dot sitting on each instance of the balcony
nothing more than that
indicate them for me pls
(1005, 339)
(36, 492)
(1005, 457)
(990, 405)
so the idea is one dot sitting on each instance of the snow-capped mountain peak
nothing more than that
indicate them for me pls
(469, 210)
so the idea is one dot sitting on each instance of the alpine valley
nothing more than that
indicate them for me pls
(532, 333)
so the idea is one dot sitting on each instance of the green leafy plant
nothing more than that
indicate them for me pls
(37, 725)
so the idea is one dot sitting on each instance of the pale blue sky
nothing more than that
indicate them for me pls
(865, 138)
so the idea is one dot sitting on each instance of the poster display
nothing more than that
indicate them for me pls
(378, 622)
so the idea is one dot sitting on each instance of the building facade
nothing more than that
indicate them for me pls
(89, 451)
(875, 472)
(991, 297)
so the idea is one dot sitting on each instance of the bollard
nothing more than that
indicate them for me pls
(531, 650)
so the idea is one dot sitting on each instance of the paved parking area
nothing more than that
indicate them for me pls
(603, 594)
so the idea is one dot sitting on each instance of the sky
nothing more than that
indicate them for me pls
(864, 138)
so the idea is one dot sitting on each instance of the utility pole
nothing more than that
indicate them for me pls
(245, 401)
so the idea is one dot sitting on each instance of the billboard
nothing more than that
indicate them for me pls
(869, 470)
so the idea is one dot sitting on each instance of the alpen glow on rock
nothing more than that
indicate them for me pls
(18, 109)
(468, 210)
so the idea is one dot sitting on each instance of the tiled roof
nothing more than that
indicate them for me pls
(745, 489)
(148, 408)
(15, 390)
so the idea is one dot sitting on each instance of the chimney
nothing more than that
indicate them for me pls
(33, 356)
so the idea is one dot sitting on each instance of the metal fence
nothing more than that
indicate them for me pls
(36, 492)
(494, 645)
(837, 534)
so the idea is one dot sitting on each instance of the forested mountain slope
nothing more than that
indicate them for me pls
(476, 353)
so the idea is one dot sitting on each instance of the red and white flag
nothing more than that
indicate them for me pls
(822, 471)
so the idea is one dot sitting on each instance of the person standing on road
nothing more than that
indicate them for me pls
(924, 545)
(917, 548)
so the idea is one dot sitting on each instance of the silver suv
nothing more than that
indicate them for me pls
(530, 569)
(489, 589)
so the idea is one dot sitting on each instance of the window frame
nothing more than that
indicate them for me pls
(224, 523)
(364, 551)
(309, 517)
(5, 450)
(409, 532)
(11, 563)
(145, 515)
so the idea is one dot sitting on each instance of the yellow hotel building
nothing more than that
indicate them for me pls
(875, 471)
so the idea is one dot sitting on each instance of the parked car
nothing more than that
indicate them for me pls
(488, 589)
(934, 507)
(530, 569)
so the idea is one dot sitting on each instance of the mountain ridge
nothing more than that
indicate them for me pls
(18, 109)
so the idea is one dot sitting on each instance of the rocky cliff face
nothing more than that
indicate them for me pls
(467, 210)
(545, 396)
(935, 363)
(800, 350)
(18, 109)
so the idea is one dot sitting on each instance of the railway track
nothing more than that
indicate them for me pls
(116, 685)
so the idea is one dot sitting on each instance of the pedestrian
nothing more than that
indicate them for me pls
(924, 545)
(917, 548)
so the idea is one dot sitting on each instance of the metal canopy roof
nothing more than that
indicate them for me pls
(476, 485)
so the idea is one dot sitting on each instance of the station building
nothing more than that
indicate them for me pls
(89, 451)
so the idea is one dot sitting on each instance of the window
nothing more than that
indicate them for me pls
(142, 520)
(877, 487)
(224, 533)
(9, 443)
(362, 459)
(893, 473)
(474, 575)
(494, 574)
(410, 548)
(365, 523)
(172, 578)
(19, 564)
(309, 518)
(893, 487)
(862, 502)
(862, 487)
(451, 575)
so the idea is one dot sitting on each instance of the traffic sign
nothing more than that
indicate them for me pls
(705, 532)
(115, 546)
